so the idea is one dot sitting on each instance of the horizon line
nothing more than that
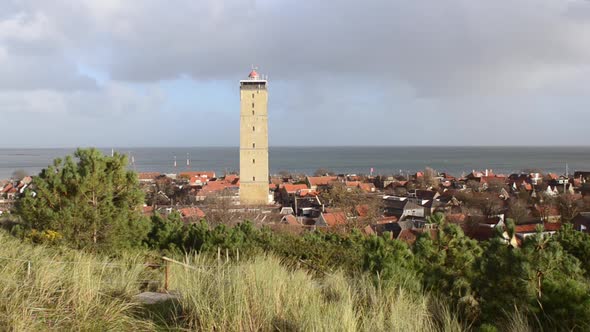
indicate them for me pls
(298, 146)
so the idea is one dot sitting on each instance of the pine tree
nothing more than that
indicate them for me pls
(92, 200)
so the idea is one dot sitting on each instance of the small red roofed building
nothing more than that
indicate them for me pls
(191, 213)
(367, 187)
(198, 181)
(232, 179)
(332, 219)
(148, 210)
(218, 187)
(206, 174)
(317, 182)
(292, 189)
(147, 177)
(290, 220)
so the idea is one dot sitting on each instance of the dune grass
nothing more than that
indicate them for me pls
(67, 290)
(71, 290)
(264, 295)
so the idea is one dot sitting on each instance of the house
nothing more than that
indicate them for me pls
(148, 210)
(410, 235)
(286, 193)
(522, 231)
(191, 213)
(286, 210)
(148, 177)
(206, 174)
(319, 182)
(308, 206)
(11, 193)
(198, 181)
(233, 179)
(420, 197)
(218, 187)
(583, 176)
(352, 184)
(402, 209)
(378, 229)
(552, 191)
(332, 219)
(367, 187)
(290, 220)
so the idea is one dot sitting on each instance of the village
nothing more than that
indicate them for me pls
(402, 206)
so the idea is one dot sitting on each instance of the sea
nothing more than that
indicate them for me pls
(343, 160)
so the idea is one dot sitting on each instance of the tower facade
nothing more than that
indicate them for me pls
(253, 140)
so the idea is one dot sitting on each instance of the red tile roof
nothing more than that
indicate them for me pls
(321, 180)
(387, 220)
(148, 175)
(307, 192)
(367, 187)
(531, 228)
(353, 183)
(232, 178)
(188, 175)
(457, 218)
(216, 186)
(198, 180)
(407, 236)
(7, 187)
(192, 212)
(362, 210)
(148, 210)
(334, 218)
(291, 220)
(293, 188)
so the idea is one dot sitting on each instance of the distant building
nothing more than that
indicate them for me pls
(254, 188)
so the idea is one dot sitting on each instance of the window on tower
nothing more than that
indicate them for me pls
(252, 112)
(253, 128)
(252, 104)
(253, 178)
(253, 145)
(252, 95)
(253, 161)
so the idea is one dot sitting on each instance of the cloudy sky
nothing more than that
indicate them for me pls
(376, 72)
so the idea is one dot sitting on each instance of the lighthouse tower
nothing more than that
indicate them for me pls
(253, 140)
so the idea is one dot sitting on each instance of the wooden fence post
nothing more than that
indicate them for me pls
(167, 274)
(28, 269)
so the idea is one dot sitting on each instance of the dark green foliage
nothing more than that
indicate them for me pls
(447, 264)
(500, 282)
(166, 233)
(540, 278)
(576, 244)
(385, 257)
(89, 200)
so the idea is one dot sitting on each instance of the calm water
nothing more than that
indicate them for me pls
(455, 160)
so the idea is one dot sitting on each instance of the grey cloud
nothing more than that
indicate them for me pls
(342, 72)
(438, 47)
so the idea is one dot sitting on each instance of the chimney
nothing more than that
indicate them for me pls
(486, 172)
